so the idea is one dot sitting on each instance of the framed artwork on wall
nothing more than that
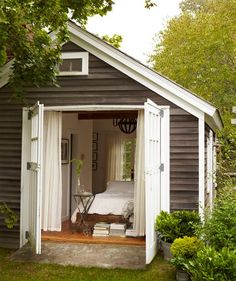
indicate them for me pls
(64, 151)
(95, 137)
(95, 156)
(94, 166)
(95, 151)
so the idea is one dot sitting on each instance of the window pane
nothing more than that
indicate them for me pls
(71, 65)
(128, 158)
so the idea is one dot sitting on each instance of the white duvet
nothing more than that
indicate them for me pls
(112, 201)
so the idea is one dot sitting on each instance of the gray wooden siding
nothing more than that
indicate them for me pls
(103, 85)
(10, 165)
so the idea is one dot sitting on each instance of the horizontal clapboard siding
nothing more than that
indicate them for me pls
(103, 85)
(10, 167)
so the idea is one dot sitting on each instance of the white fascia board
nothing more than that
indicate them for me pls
(233, 121)
(217, 120)
(214, 122)
(147, 77)
(93, 107)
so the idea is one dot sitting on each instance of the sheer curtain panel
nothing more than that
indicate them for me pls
(139, 183)
(52, 178)
(115, 154)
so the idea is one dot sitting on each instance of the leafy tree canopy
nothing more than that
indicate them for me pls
(114, 40)
(198, 50)
(24, 27)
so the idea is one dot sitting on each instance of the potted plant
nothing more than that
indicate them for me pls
(170, 226)
(79, 165)
(183, 251)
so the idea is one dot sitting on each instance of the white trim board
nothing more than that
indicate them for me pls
(165, 159)
(93, 107)
(201, 165)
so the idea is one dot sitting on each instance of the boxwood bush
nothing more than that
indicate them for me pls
(176, 224)
(184, 249)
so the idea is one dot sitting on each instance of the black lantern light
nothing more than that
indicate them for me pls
(127, 125)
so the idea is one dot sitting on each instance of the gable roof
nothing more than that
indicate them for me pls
(139, 72)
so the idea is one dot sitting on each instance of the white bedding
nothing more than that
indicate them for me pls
(112, 201)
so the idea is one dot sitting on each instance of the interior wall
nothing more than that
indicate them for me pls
(103, 127)
(82, 143)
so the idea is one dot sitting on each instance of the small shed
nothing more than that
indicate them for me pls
(172, 157)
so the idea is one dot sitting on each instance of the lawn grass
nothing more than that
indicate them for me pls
(159, 270)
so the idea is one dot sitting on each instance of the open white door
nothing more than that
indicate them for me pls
(31, 186)
(155, 164)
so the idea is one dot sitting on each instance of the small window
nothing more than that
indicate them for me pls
(74, 63)
(128, 160)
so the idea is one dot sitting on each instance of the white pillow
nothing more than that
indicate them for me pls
(120, 187)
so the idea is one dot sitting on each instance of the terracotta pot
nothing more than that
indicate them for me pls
(181, 275)
(166, 250)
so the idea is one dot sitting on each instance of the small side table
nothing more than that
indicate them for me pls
(86, 199)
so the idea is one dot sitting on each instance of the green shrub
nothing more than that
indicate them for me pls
(212, 265)
(184, 249)
(188, 222)
(10, 218)
(167, 226)
(219, 229)
(176, 224)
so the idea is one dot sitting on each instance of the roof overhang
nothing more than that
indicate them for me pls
(139, 72)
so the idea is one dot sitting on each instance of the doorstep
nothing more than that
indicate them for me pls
(86, 255)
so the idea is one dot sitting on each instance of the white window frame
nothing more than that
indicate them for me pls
(76, 55)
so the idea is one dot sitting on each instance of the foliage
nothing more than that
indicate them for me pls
(186, 246)
(210, 265)
(197, 50)
(219, 229)
(177, 224)
(24, 36)
(24, 271)
(79, 164)
(184, 249)
(10, 218)
(115, 40)
(25, 29)
(149, 4)
(216, 261)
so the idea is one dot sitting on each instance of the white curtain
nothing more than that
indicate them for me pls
(115, 153)
(139, 180)
(52, 178)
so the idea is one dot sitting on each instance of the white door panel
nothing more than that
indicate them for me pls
(35, 185)
(154, 170)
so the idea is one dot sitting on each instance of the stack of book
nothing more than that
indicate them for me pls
(101, 229)
(117, 229)
(130, 233)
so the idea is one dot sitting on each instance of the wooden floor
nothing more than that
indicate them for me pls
(68, 234)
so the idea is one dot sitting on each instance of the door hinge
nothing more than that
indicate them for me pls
(30, 114)
(28, 165)
(162, 167)
(161, 113)
(32, 166)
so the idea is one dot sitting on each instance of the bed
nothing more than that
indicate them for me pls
(116, 200)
